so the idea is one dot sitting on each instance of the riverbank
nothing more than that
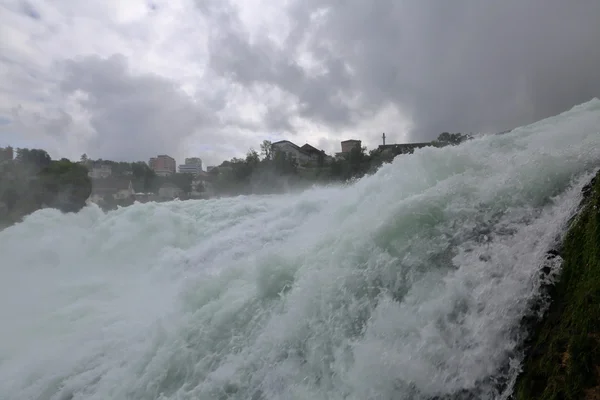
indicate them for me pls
(563, 359)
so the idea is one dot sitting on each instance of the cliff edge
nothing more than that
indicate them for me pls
(563, 358)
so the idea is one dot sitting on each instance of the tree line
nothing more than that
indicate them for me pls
(272, 171)
(33, 180)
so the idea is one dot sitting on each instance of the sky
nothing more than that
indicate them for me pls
(129, 79)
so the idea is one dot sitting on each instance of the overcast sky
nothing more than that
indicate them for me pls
(129, 79)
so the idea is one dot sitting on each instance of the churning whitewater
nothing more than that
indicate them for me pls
(408, 284)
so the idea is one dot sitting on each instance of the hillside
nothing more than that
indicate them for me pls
(563, 361)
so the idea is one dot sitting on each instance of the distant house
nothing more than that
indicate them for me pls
(124, 192)
(169, 191)
(100, 171)
(101, 189)
(316, 153)
(192, 165)
(111, 188)
(202, 185)
(348, 145)
(303, 155)
(162, 165)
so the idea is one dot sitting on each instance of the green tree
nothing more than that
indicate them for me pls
(143, 174)
(17, 197)
(321, 159)
(34, 158)
(450, 139)
(284, 163)
(6, 154)
(252, 158)
(64, 185)
(25, 188)
(266, 149)
(183, 181)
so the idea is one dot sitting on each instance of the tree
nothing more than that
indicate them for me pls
(144, 175)
(6, 154)
(25, 187)
(34, 158)
(266, 149)
(252, 158)
(284, 163)
(183, 181)
(64, 185)
(84, 158)
(321, 159)
(450, 139)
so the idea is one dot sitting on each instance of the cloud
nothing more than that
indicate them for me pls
(263, 64)
(212, 78)
(461, 66)
(96, 77)
(133, 115)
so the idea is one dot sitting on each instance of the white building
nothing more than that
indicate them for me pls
(100, 171)
(202, 186)
(125, 193)
(192, 165)
(169, 191)
(118, 189)
(294, 151)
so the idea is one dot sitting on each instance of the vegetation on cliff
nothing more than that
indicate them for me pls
(563, 360)
(33, 181)
(272, 171)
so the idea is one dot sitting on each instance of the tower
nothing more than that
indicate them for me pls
(383, 137)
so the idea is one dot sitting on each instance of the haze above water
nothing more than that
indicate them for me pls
(408, 284)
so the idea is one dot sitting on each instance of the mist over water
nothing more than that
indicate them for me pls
(408, 284)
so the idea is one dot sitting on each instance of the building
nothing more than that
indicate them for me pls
(291, 149)
(303, 155)
(115, 188)
(125, 192)
(192, 165)
(202, 186)
(169, 191)
(163, 165)
(404, 148)
(194, 161)
(307, 148)
(348, 145)
(317, 154)
(210, 168)
(6, 154)
(99, 171)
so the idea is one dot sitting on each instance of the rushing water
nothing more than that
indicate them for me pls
(408, 284)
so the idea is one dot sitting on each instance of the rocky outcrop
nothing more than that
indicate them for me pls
(563, 352)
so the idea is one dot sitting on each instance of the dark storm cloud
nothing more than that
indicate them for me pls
(465, 65)
(134, 116)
